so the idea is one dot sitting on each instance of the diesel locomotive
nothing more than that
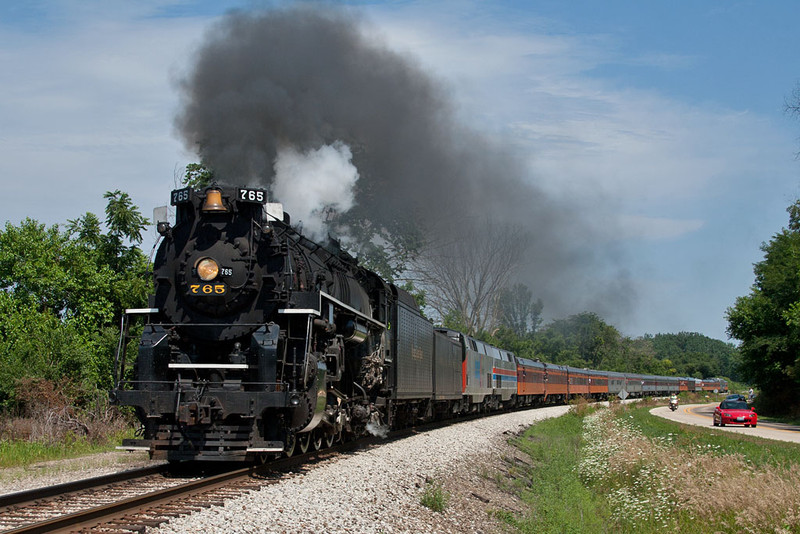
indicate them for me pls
(258, 341)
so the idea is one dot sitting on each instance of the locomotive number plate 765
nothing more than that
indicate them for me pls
(207, 289)
(253, 195)
(179, 196)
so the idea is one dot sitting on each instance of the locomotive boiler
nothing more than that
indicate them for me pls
(257, 340)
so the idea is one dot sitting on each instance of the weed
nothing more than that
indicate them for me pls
(580, 407)
(434, 496)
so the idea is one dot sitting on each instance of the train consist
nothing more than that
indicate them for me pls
(259, 341)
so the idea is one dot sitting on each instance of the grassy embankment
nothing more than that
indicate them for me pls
(624, 470)
(20, 453)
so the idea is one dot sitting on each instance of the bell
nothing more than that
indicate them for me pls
(213, 202)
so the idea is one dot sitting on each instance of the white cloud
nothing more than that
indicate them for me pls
(583, 134)
(87, 107)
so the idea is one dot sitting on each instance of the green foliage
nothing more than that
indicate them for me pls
(767, 322)
(197, 176)
(18, 453)
(456, 321)
(434, 497)
(585, 340)
(37, 343)
(551, 486)
(693, 354)
(63, 293)
(123, 218)
(386, 249)
(582, 340)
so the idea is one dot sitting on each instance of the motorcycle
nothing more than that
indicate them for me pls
(673, 404)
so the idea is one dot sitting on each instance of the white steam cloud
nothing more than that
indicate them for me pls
(313, 183)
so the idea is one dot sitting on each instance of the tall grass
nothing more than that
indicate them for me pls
(693, 479)
(559, 502)
(623, 470)
(755, 450)
(18, 453)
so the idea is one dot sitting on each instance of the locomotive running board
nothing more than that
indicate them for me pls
(334, 300)
(350, 309)
(208, 366)
(298, 311)
(269, 446)
(135, 445)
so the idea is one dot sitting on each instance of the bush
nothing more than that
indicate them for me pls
(53, 413)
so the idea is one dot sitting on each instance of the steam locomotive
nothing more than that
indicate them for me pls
(258, 341)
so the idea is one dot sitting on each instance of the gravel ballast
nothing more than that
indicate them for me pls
(378, 490)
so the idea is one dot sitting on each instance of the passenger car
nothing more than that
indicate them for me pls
(735, 396)
(734, 412)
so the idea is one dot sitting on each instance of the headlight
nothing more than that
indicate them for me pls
(207, 269)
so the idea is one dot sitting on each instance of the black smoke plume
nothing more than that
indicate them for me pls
(305, 77)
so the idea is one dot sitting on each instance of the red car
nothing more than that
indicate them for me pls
(735, 412)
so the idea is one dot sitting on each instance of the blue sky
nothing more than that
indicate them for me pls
(675, 110)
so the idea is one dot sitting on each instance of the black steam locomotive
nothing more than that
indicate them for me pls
(259, 341)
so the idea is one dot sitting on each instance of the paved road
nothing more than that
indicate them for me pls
(701, 415)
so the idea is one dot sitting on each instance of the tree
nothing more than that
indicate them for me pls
(693, 354)
(386, 248)
(63, 293)
(581, 340)
(767, 321)
(197, 176)
(463, 273)
(518, 311)
(585, 340)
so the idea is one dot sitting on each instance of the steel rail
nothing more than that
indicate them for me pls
(38, 494)
(108, 512)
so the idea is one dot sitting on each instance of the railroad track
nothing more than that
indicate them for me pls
(49, 508)
(133, 500)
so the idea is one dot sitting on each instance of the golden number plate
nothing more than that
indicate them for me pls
(207, 289)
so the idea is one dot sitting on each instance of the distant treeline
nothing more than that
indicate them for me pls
(585, 340)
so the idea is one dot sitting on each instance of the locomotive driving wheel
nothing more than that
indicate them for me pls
(289, 446)
(317, 441)
(303, 441)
